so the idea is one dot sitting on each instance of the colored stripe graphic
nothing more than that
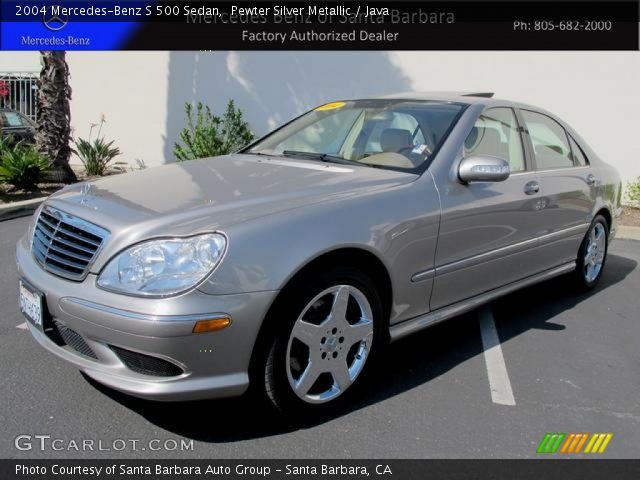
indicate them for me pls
(598, 443)
(551, 442)
(581, 443)
(567, 443)
(573, 442)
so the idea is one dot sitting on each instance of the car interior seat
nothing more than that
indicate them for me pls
(395, 139)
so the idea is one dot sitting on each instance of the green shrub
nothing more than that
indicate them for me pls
(633, 191)
(96, 156)
(21, 165)
(208, 135)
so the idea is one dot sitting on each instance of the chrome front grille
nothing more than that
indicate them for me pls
(66, 245)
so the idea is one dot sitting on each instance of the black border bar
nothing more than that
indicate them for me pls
(409, 25)
(579, 469)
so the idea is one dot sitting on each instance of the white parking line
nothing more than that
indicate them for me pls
(22, 326)
(499, 383)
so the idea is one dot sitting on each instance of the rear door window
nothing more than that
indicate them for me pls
(549, 140)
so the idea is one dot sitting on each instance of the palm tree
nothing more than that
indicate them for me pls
(54, 116)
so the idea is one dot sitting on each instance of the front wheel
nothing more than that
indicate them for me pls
(330, 328)
(593, 254)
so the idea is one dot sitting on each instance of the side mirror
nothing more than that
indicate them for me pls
(483, 168)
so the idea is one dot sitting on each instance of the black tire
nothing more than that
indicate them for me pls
(582, 279)
(272, 365)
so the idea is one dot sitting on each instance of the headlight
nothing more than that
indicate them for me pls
(160, 268)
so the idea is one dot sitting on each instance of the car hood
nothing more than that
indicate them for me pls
(187, 197)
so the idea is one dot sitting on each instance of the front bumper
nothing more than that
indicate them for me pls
(210, 365)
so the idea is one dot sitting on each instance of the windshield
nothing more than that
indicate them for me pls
(393, 134)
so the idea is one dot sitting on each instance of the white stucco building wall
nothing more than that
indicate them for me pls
(130, 90)
(142, 94)
(19, 61)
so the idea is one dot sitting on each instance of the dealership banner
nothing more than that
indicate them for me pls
(317, 469)
(320, 25)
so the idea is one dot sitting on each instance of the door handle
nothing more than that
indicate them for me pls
(531, 188)
(591, 179)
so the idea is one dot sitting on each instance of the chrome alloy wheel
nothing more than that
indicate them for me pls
(595, 252)
(329, 344)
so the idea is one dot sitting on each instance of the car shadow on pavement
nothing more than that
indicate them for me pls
(408, 363)
(542, 302)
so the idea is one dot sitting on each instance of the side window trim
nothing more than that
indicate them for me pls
(527, 145)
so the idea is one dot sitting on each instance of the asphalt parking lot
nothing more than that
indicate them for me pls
(572, 364)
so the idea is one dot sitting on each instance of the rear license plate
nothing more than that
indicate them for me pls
(31, 304)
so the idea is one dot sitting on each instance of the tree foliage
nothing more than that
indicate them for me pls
(21, 165)
(96, 155)
(633, 191)
(209, 135)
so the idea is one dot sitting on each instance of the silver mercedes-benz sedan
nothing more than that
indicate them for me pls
(289, 265)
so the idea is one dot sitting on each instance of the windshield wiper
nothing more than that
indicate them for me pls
(261, 154)
(323, 157)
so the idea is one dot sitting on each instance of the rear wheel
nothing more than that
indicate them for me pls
(330, 329)
(593, 254)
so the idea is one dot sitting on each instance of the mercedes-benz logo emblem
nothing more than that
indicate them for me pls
(55, 22)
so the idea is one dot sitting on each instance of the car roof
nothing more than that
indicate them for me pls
(465, 97)
(457, 97)
(468, 98)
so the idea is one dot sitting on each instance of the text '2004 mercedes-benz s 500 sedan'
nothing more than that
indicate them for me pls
(289, 265)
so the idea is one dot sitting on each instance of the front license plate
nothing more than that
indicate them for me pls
(31, 304)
